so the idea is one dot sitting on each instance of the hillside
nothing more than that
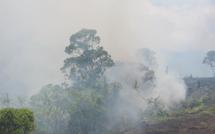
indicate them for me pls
(198, 118)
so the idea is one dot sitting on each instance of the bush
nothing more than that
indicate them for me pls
(16, 121)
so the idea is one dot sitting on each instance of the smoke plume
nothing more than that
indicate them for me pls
(143, 82)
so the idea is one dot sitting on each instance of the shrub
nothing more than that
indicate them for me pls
(16, 121)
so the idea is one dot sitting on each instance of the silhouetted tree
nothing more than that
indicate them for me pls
(210, 60)
(87, 61)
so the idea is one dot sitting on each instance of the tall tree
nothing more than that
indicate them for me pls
(210, 60)
(87, 61)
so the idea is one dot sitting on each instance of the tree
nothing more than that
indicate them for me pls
(88, 61)
(210, 60)
(88, 112)
(80, 108)
(51, 106)
(16, 121)
(85, 68)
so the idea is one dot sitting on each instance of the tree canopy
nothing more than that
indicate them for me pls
(16, 121)
(87, 61)
(210, 60)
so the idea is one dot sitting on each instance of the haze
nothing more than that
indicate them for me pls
(34, 33)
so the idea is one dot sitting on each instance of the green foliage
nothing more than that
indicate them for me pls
(59, 110)
(16, 121)
(88, 112)
(155, 111)
(51, 106)
(190, 106)
(79, 108)
(192, 103)
(87, 61)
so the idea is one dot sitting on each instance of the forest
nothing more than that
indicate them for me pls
(100, 95)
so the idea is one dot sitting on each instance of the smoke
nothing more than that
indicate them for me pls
(35, 33)
(143, 82)
(170, 89)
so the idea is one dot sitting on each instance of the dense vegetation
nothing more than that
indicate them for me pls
(86, 103)
(80, 105)
(16, 121)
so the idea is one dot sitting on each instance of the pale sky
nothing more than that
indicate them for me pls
(34, 33)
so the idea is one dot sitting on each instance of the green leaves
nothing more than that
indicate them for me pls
(88, 113)
(88, 60)
(51, 106)
(16, 121)
(82, 107)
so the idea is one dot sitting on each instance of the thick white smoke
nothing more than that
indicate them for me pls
(170, 89)
(142, 81)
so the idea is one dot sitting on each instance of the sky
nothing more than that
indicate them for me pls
(34, 33)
